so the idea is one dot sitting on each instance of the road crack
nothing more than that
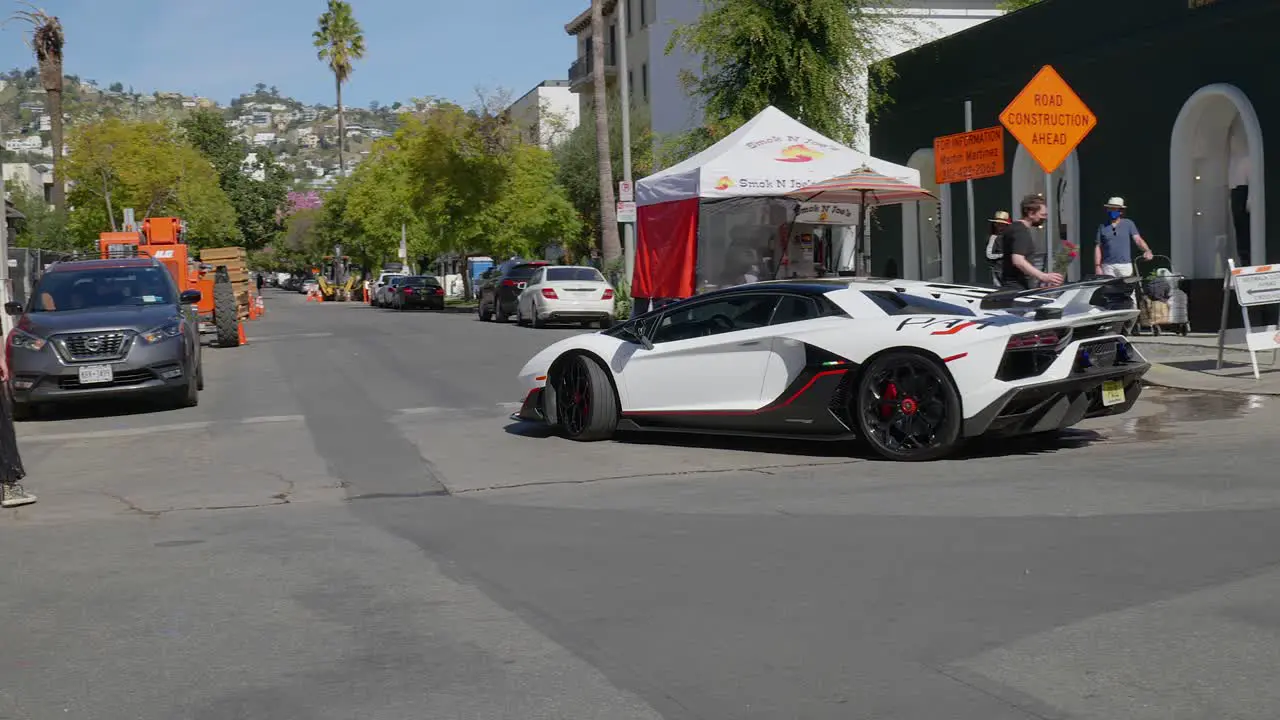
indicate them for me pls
(280, 498)
(132, 507)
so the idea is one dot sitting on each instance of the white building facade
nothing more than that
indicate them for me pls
(546, 114)
(657, 91)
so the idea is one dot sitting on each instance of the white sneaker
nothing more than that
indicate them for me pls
(14, 496)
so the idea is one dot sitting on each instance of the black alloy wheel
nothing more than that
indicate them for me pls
(586, 405)
(908, 408)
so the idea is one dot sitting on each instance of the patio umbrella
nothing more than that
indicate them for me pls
(864, 187)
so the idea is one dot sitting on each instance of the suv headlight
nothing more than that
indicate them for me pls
(26, 341)
(173, 328)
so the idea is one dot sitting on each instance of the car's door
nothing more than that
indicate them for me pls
(789, 357)
(707, 355)
(532, 286)
(486, 284)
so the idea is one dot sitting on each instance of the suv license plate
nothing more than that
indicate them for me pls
(95, 374)
(1112, 392)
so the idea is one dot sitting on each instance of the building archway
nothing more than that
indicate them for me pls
(1028, 177)
(925, 237)
(1217, 193)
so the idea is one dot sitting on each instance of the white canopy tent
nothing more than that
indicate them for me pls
(769, 156)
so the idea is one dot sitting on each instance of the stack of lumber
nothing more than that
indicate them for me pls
(237, 261)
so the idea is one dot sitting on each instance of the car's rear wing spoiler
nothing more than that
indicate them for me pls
(1065, 299)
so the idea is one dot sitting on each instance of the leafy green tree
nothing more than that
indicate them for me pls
(339, 41)
(801, 56)
(1011, 5)
(45, 227)
(531, 210)
(576, 169)
(258, 203)
(379, 203)
(114, 164)
(458, 170)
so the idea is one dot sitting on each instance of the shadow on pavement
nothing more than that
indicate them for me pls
(980, 448)
(90, 409)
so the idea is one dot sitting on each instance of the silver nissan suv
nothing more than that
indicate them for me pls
(103, 328)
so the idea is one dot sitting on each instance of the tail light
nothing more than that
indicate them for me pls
(550, 294)
(608, 294)
(1041, 339)
(408, 291)
(508, 283)
(439, 291)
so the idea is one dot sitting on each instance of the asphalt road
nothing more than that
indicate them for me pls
(349, 526)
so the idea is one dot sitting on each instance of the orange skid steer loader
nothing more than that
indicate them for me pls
(163, 238)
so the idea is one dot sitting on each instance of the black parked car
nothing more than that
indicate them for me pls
(418, 291)
(500, 287)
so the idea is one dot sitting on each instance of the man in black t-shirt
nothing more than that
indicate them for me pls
(1017, 272)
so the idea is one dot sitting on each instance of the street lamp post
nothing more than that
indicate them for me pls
(624, 86)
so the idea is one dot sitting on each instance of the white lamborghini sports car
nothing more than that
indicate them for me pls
(912, 368)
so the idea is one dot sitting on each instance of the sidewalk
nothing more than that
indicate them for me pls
(1190, 363)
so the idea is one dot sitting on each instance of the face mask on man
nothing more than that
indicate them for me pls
(1113, 214)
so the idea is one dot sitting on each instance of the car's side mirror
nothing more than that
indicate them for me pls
(635, 333)
(13, 308)
(189, 297)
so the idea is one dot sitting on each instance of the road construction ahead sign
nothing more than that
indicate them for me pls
(1048, 118)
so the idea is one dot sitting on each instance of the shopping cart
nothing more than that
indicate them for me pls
(1162, 302)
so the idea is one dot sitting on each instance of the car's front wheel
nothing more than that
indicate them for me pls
(586, 404)
(907, 407)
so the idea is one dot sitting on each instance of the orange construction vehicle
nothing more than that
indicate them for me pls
(163, 238)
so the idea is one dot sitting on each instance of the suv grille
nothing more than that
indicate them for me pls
(121, 379)
(94, 346)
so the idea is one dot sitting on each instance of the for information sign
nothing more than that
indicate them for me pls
(969, 155)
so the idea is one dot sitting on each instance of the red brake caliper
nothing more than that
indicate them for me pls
(886, 404)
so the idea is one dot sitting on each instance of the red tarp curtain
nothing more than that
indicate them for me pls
(667, 250)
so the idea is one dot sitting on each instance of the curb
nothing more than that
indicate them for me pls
(1163, 376)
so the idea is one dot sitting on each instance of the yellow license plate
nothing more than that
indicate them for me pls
(1112, 392)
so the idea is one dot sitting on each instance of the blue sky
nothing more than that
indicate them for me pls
(220, 48)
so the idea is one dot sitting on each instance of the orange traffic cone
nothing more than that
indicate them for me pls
(240, 329)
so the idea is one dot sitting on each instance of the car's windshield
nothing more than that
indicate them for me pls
(422, 281)
(574, 273)
(101, 288)
(396, 280)
(520, 272)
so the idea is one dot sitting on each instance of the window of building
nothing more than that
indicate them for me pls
(644, 80)
(631, 18)
(631, 85)
(644, 21)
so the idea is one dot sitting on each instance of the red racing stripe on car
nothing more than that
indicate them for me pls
(955, 357)
(954, 330)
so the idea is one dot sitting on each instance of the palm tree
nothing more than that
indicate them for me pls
(47, 41)
(339, 41)
(610, 245)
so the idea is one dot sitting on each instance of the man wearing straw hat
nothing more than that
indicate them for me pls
(995, 254)
(1113, 251)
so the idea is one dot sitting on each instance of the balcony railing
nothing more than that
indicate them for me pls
(580, 70)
